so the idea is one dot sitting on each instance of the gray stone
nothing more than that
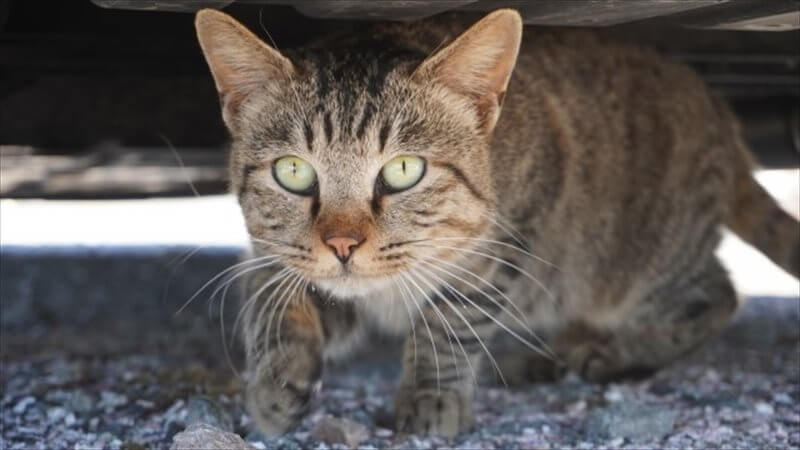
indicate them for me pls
(80, 402)
(23, 404)
(111, 400)
(202, 409)
(56, 414)
(206, 437)
(333, 430)
(635, 421)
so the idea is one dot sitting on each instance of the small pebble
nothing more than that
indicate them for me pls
(23, 404)
(783, 398)
(764, 408)
(56, 414)
(203, 409)
(205, 437)
(301, 435)
(636, 421)
(80, 402)
(177, 411)
(383, 433)
(146, 404)
(613, 395)
(111, 400)
(576, 408)
(617, 442)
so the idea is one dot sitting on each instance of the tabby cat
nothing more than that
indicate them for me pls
(382, 188)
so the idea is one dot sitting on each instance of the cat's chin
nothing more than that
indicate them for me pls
(355, 286)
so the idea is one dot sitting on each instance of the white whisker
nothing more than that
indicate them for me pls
(451, 329)
(430, 334)
(492, 318)
(289, 298)
(492, 241)
(472, 330)
(519, 320)
(175, 263)
(411, 320)
(273, 307)
(216, 277)
(448, 330)
(252, 299)
(258, 344)
(519, 269)
(507, 228)
(223, 286)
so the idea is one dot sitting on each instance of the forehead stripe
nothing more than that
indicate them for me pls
(462, 178)
(366, 117)
(328, 127)
(384, 134)
(309, 134)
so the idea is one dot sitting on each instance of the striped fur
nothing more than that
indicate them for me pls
(588, 211)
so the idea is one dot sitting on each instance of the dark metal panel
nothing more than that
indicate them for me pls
(163, 5)
(381, 10)
(593, 12)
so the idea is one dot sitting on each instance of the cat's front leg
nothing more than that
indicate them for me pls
(440, 365)
(285, 362)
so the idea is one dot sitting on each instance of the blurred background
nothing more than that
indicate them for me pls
(113, 204)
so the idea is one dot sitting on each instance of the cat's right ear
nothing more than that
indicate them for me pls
(240, 62)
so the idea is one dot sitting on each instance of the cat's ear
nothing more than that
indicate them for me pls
(240, 62)
(478, 64)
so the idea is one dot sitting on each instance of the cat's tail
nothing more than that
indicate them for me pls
(757, 218)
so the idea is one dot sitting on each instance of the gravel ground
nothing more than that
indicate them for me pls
(60, 389)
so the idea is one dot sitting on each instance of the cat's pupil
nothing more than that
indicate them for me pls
(404, 166)
(294, 168)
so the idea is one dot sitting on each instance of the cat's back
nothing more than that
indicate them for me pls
(595, 75)
(625, 152)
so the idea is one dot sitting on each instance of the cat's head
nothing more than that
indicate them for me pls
(358, 165)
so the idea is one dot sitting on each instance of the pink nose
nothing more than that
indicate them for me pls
(343, 246)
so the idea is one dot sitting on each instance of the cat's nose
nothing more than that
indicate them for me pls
(344, 246)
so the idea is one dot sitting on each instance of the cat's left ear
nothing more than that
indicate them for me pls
(478, 64)
(240, 62)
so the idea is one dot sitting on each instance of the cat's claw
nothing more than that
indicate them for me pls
(428, 412)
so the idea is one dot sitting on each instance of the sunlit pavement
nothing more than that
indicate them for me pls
(215, 221)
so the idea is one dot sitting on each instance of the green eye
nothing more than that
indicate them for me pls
(402, 172)
(294, 174)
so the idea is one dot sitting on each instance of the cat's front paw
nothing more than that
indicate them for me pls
(431, 412)
(279, 394)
